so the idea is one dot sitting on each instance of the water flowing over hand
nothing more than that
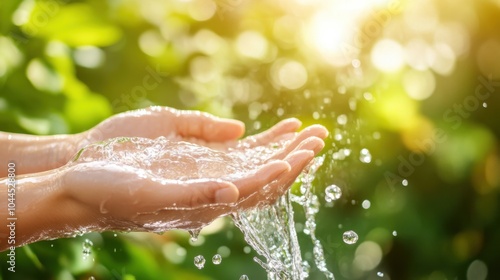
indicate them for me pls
(157, 169)
(185, 182)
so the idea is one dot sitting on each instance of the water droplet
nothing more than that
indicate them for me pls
(380, 274)
(115, 235)
(350, 237)
(365, 156)
(366, 204)
(199, 261)
(342, 119)
(244, 277)
(52, 245)
(91, 278)
(87, 246)
(306, 268)
(394, 233)
(485, 105)
(404, 182)
(332, 193)
(316, 115)
(216, 259)
(194, 234)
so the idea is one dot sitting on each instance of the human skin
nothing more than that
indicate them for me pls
(67, 199)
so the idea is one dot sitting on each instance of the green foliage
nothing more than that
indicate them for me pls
(67, 65)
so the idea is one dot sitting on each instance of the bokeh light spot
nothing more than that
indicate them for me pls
(202, 10)
(387, 55)
(252, 44)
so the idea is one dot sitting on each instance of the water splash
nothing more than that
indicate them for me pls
(270, 230)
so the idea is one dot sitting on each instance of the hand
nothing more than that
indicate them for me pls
(159, 121)
(122, 190)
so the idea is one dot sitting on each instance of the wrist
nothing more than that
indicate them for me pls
(44, 210)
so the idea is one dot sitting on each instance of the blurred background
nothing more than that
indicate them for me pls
(408, 90)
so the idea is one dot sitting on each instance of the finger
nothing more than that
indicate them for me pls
(261, 177)
(283, 127)
(316, 131)
(298, 161)
(189, 194)
(207, 127)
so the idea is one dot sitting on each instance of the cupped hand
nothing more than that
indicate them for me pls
(159, 121)
(160, 184)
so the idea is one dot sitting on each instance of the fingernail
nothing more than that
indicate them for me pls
(279, 168)
(227, 195)
(300, 156)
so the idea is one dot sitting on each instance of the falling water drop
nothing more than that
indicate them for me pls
(404, 182)
(394, 233)
(350, 237)
(485, 105)
(380, 274)
(87, 245)
(216, 259)
(199, 261)
(244, 277)
(332, 193)
(91, 278)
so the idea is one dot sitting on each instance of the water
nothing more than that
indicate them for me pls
(244, 277)
(199, 261)
(216, 259)
(87, 248)
(350, 237)
(332, 193)
(269, 229)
